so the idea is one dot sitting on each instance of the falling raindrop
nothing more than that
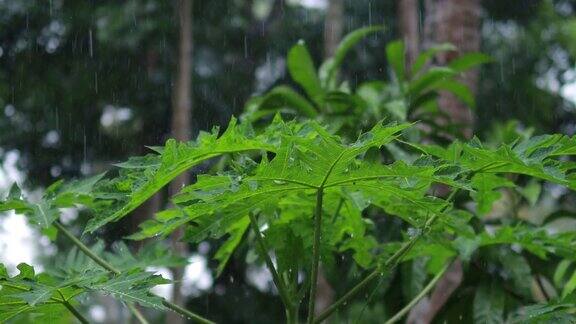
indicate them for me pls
(90, 44)
(84, 148)
(245, 47)
(96, 81)
(369, 13)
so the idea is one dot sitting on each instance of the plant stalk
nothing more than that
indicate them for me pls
(263, 249)
(86, 250)
(136, 312)
(421, 295)
(75, 312)
(106, 265)
(292, 315)
(315, 255)
(70, 308)
(186, 313)
(389, 264)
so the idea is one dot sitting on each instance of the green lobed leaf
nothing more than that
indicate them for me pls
(535, 157)
(133, 288)
(59, 195)
(556, 311)
(139, 182)
(535, 240)
(486, 186)
(307, 158)
(33, 295)
(237, 231)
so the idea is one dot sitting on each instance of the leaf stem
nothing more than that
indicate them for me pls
(338, 208)
(53, 300)
(139, 316)
(389, 264)
(106, 265)
(186, 312)
(351, 293)
(75, 312)
(263, 249)
(292, 315)
(86, 250)
(421, 295)
(315, 255)
(71, 308)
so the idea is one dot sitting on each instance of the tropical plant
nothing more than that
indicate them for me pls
(307, 190)
(303, 185)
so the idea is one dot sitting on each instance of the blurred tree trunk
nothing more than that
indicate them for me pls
(456, 22)
(409, 20)
(425, 311)
(181, 131)
(333, 26)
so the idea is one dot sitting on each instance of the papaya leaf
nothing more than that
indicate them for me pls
(486, 193)
(30, 294)
(59, 195)
(227, 249)
(139, 181)
(307, 158)
(133, 288)
(535, 240)
(535, 157)
(555, 311)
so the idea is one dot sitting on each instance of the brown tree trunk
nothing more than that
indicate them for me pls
(456, 22)
(425, 311)
(181, 131)
(409, 22)
(333, 26)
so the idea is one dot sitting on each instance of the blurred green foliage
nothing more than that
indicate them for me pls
(83, 83)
